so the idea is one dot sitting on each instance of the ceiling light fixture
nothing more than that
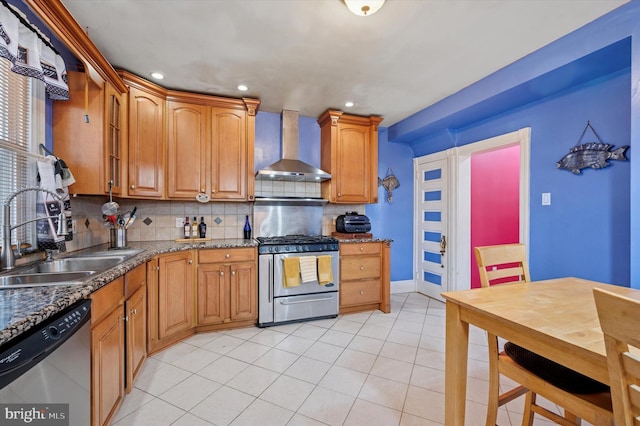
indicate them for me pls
(364, 7)
(349, 104)
(157, 75)
(242, 87)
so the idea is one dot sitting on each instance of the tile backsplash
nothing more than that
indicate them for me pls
(156, 220)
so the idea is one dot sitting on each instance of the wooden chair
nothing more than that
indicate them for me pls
(508, 264)
(620, 322)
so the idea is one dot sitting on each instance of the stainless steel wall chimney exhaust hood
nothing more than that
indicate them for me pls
(289, 168)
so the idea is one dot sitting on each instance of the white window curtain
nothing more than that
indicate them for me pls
(30, 53)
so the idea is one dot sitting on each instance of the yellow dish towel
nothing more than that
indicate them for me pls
(308, 269)
(324, 270)
(291, 276)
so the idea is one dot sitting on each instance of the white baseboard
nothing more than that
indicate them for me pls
(405, 286)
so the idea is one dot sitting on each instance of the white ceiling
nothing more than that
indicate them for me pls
(310, 55)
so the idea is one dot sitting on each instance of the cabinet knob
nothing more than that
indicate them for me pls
(362, 268)
(190, 261)
(361, 248)
(134, 311)
(221, 273)
(361, 292)
(227, 255)
(233, 272)
(213, 191)
(132, 187)
(339, 194)
(202, 190)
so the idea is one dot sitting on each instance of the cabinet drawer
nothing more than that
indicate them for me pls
(350, 249)
(359, 292)
(359, 267)
(226, 255)
(106, 299)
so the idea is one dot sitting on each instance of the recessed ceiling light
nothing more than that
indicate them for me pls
(349, 104)
(242, 87)
(157, 75)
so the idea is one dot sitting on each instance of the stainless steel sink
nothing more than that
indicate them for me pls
(44, 279)
(67, 271)
(72, 264)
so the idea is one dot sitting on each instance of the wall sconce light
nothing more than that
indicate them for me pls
(364, 7)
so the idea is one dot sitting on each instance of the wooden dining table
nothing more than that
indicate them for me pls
(555, 318)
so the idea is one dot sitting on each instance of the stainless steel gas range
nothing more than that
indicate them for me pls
(308, 299)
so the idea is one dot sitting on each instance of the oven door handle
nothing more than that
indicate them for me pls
(270, 279)
(284, 302)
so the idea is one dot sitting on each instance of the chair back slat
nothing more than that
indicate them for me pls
(503, 261)
(620, 321)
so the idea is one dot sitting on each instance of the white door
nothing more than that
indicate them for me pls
(431, 231)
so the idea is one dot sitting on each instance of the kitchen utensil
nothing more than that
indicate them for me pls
(132, 215)
(111, 208)
(130, 222)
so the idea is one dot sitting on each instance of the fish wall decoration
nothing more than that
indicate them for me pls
(595, 155)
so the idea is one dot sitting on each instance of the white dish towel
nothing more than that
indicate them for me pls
(308, 268)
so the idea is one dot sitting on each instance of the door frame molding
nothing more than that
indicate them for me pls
(459, 202)
(461, 196)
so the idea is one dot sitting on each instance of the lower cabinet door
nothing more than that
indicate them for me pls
(136, 349)
(107, 362)
(244, 292)
(212, 294)
(175, 294)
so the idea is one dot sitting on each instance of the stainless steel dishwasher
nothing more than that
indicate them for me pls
(51, 364)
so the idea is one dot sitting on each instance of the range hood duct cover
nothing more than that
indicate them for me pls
(289, 168)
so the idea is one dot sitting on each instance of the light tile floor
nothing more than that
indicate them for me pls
(358, 369)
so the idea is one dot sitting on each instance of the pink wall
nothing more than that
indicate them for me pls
(495, 180)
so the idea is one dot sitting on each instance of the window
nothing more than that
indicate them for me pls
(21, 130)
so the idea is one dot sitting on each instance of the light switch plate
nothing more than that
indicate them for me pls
(546, 198)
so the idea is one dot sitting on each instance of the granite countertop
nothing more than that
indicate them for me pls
(23, 308)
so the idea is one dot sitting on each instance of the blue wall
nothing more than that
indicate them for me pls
(395, 220)
(592, 228)
(585, 231)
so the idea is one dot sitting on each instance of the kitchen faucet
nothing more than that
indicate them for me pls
(7, 258)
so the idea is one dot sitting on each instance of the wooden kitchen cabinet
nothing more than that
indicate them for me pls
(349, 152)
(107, 352)
(171, 298)
(210, 147)
(146, 138)
(227, 287)
(187, 140)
(365, 276)
(135, 310)
(93, 150)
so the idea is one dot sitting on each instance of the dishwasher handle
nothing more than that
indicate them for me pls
(16, 358)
